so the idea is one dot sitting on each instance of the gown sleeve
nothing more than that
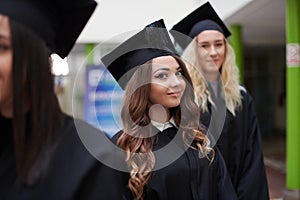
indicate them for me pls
(224, 185)
(253, 182)
(240, 146)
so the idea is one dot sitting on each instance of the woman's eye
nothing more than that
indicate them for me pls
(204, 46)
(161, 76)
(179, 73)
(4, 47)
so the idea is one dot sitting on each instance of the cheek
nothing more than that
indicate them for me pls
(222, 54)
(6, 74)
(201, 57)
(203, 54)
(156, 93)
(6, 90)
(7, 83)
(182, 83)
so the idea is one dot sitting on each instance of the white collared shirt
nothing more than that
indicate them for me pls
(163, 126)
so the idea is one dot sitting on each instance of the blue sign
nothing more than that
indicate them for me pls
(102, 102)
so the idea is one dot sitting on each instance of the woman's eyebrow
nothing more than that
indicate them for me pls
(163, 69)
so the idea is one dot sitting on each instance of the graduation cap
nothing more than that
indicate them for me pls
(151, 42)
(58, 22)
(201, 19)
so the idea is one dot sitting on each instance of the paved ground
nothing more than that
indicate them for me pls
(274, 156)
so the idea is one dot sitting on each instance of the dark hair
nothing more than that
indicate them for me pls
(33, 131)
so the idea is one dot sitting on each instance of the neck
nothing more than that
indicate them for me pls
(159, 113)
(212, 77)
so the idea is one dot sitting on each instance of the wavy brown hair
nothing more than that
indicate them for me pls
(136, 138)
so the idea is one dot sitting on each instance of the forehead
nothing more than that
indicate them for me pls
(209, 35)
(4, 25)
(164, 62)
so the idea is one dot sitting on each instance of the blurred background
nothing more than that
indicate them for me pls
(265, 33)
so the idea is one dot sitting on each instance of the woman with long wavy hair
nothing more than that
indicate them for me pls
(226, 107)
(168, 152)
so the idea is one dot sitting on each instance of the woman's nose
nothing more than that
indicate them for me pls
(174, 81)
(212, 50)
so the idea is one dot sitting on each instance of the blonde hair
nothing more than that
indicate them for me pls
(229, 78)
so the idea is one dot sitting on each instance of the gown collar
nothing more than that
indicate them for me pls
(163, 126)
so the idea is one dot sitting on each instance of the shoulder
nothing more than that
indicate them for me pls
(81, 140)
(76, 125)
(76, 168)
(246, 96)
(116, 136)
(242, 88)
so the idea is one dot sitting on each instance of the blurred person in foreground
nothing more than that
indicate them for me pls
(41, 154)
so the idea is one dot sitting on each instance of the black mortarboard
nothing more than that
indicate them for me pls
(151, 42)
(201, 19)
(57, 22)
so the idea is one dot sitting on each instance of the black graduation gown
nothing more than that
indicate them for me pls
(189, 177)
(240, 145)
(72, 172)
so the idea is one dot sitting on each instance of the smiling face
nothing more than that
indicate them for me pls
(6, 94)
(211, 50)
(167, 82)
